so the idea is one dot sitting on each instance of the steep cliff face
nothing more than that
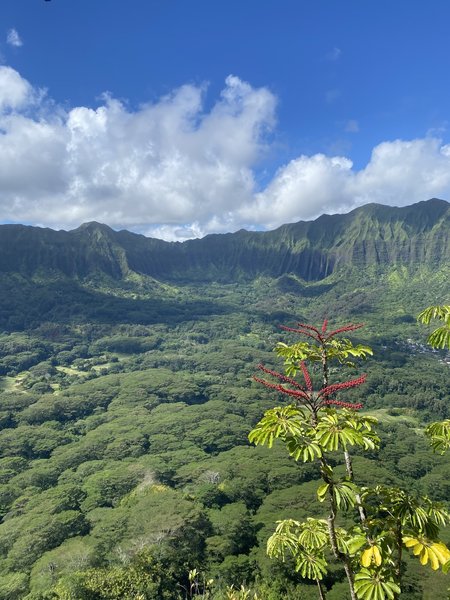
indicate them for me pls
(370, 236)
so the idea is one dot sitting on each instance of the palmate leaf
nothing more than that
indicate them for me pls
(305, 541)
(371, 555)
(436, 553)
(358, 420)
(344, 493)
(438, 514)
(279, 422)
(313, 533)
(374, 584)
(356, 542)
(341, 350)
(435, 312)
(298, 352)
(440, 337)
(343, 538)
(412, 514)
(311, 565)
(303, 448)
(333, 432)
(293, 536)
(417, 514)
(439, 433)
(284, 538)
(363, 425)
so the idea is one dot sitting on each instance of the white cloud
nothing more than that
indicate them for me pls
(15, 92)
(399, 173)
(13, 38)
(171, 169)
(303, 189)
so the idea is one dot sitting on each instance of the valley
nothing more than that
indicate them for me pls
(126, 397)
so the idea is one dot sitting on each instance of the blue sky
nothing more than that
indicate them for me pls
(179, 118)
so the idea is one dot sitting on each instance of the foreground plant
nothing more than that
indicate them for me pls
(312, 425)
(438, 432)
(440, 337)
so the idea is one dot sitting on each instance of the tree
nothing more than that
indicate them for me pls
(312, 426)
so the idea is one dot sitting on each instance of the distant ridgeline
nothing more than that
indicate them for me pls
(370, 236)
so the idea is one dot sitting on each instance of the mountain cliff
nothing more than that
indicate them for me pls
(370, 236)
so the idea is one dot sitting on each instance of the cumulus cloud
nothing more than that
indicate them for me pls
(167, 163)
(13, 38)
(174, 170)
(399, 173)
(15, 92)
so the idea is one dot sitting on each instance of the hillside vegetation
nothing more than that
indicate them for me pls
(127, 398)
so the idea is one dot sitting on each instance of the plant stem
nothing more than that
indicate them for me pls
(321, 590)
(333, 509)
(349, 469)
(398, 566)
(331, 521)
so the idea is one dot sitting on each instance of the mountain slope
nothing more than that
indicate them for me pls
(370, 236)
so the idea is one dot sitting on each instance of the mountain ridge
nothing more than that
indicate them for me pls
(372, 235)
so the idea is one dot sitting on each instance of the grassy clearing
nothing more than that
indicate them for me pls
(402, 415)
(8, 384)
(70, 371)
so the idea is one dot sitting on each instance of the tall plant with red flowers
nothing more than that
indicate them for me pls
(315, 423)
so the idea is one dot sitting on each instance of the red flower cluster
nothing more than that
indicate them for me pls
(343, 404)
(306, 377)
(334, 387)
(281, 376)
(314, 400)
(320, 336)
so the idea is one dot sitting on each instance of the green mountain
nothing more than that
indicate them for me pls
(126, 399)
(370, 236)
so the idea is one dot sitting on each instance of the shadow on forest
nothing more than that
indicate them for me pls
(25, 304)
(290, 285)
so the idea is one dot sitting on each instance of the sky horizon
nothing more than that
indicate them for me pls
(177, 119)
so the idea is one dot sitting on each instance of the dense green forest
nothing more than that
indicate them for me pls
(125, 408)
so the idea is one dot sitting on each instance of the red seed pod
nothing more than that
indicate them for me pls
(306, 376)
(280, 376)
(344, 329)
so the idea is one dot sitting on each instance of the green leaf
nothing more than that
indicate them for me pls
(303, 448)
(334, 432)
(439, 432)
(373, 584)
(313, 533)
(311, 565)
(435, 312)
(345, 494)
(279, 422)
(356, 543)
(440, 337)
(322, 491)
